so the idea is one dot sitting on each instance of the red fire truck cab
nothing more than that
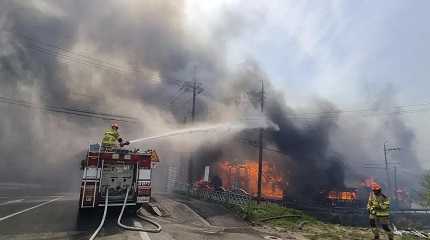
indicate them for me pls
(117, 170)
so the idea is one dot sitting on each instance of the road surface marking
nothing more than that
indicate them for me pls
(11, 201)
(28, 209)
(143, 235)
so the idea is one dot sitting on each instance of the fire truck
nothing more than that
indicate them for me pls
(119, 171)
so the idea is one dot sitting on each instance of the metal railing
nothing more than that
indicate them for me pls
(244, 199)
(229, 197)
(222, 196)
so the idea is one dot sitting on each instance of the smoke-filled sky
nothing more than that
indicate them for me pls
(132, 58)
(356, 54)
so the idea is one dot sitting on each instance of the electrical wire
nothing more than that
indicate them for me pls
(178, 93)
(364, 110)
(70, 111)
(54, 50)
(88, 58)
(71, 57)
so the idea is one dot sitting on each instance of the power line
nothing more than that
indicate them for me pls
(72, 57)
(375, 114)
(87, 57)
(365, 110)
(399, 109)
(70, 111)
(57, 51)
(177, 94)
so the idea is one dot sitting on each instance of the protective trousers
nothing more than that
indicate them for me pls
(384, 222)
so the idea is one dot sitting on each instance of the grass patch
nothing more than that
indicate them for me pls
(306, 225)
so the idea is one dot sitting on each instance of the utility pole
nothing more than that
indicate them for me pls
(260, 149)
(193, 117)
(387, 170)
(193, 110)
(395, 183)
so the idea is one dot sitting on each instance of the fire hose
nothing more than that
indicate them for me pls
(132, 228)
(103, 218)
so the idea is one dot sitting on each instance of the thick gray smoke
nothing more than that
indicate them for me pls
(325, 150)
(132, 58)
(33, 67)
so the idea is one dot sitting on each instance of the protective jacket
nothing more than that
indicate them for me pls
(378, 205)
(110, 138)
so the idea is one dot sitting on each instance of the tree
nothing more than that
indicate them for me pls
(426, 190)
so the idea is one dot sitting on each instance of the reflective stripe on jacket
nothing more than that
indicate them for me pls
(378, 205)
(110, 137)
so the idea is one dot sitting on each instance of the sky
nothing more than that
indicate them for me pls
(315, 56)
(351, 53)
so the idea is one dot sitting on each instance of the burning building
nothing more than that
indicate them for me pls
(343, 195)
(244, 175)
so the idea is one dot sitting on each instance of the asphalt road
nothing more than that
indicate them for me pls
(28, 215)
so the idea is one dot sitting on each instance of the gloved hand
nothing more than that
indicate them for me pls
(122, 144)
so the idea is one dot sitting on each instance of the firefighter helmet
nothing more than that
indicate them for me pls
(375, 187)
(115, 125)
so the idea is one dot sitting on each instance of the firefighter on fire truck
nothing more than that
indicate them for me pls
(111, 137)
(379, 212)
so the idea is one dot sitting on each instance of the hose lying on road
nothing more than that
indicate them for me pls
(104, 217)
(153, 230)
(132, 228)
(413, 232)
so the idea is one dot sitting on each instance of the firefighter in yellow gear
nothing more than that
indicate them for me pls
(379, 212)
(111, 138)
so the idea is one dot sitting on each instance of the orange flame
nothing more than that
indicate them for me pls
(245, 176)
(344, 195)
